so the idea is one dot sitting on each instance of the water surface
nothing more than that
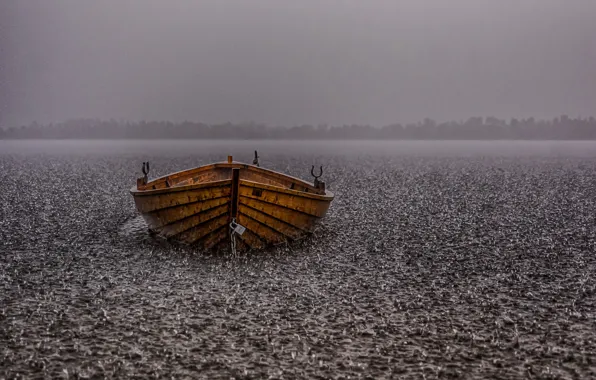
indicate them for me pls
(436, 259)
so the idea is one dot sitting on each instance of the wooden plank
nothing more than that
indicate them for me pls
(192, 221)
(290, 190)
(264, 233)
(216, 237)
(278, 225)
(150, 203)
(251, 240)
(220, 172)
(297, 219)
(269, 176)
(181, 176)
(207, 176)
(174, 214)
(194, 234)
(265, 178)
(305, 205)
(261, 175)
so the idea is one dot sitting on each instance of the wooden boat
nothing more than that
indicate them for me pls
(231, 204)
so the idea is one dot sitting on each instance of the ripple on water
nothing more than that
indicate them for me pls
(134, 229)
(454, 266)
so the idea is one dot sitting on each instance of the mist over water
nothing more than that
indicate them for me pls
(435, 260)
(290, 63)
(242, 149)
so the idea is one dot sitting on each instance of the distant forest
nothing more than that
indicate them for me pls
(475, 128)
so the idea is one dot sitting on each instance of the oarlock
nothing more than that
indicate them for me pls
(320, 185)
(143, 180)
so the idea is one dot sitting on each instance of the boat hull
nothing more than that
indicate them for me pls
(273, 208)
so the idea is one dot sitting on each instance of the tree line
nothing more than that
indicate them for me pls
(474, 128)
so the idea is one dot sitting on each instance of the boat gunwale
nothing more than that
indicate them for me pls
(328, 196)
(270, 172)
(222, 183)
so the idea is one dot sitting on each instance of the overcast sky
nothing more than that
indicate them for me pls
(293, 62)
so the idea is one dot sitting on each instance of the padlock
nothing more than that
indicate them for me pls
(237, 228)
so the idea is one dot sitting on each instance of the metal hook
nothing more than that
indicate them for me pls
(145, 168)
(256, 160)
(318, 184)
(141, 182)
(312, 171)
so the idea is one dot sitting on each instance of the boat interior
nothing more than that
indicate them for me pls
(223, 172)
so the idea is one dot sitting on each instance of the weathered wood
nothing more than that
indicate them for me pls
(217, 174)
(269, 177)
(296, 202)
(251, 239)
(220, 171)
(215, 237)
(195, 233)
(163, 217)
(185, 224)
(141, 182)
(287, 228)
(297, 219)
(234, 193)
(213, 172)
(148, 203)
(195, 206)
(265, 233)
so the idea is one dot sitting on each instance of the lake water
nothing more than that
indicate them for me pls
(436, 259)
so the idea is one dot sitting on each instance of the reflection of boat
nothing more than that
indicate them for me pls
(230, 204)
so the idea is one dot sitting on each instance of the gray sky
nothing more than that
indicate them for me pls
(292, 62)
